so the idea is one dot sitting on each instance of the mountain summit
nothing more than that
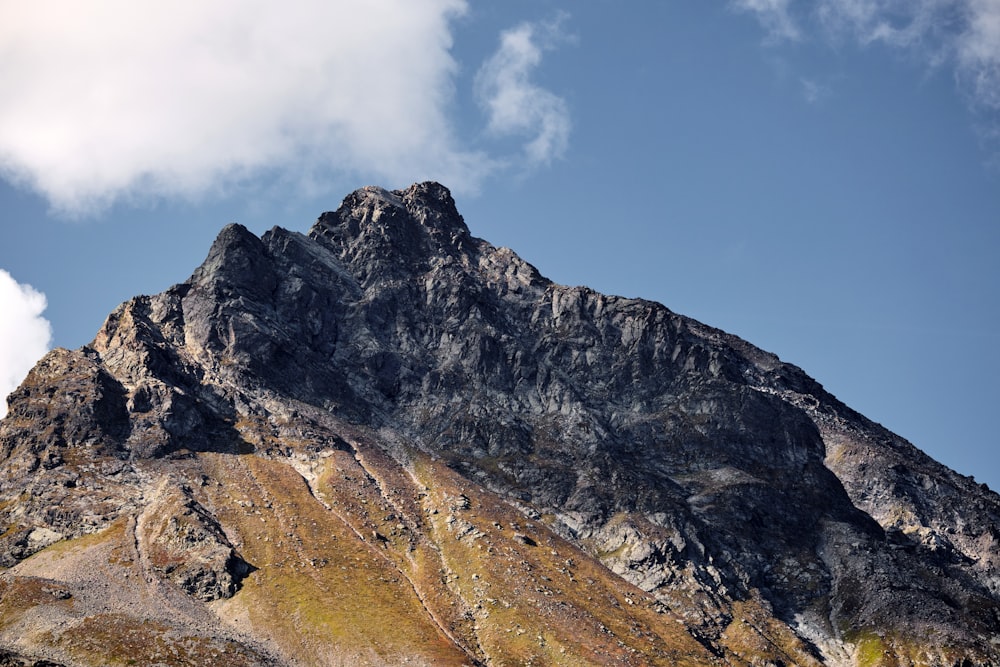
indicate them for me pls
(390, 442)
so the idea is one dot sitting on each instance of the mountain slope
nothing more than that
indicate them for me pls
(389, 440)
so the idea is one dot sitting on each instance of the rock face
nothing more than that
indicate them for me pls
(388, 418)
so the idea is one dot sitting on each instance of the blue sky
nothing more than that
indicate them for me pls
(820, 178)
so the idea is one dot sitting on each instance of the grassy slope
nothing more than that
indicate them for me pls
(320, 593)
(369, 562)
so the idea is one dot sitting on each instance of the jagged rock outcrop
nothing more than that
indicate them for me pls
(180, 540)
(391, 416)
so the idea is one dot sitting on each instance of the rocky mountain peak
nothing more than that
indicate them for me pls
(390, 411)
(237, 256)
(400, 229)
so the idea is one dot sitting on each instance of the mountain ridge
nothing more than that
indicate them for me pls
(727, 490)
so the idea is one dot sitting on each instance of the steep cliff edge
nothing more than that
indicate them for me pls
(389, 418)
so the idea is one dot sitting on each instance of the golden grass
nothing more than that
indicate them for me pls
(549, 603)
(319, 590)
(378, 562)
(875, 648)
(113, 532)
(118, 640)
(755, 636)
(20, 594)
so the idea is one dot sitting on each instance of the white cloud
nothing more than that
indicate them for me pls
(517, 106)
(979, 53)
(108, 99)
(961, 34)
(924, 24)
(773, 15)
(24, 334)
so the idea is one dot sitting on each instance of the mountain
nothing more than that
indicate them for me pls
(390, 442)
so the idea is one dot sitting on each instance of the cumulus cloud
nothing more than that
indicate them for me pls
(515, 105)
(24, 334)
(108, 99)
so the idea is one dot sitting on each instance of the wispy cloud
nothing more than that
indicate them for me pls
(104, 100)
(515, 105)
(963, 35)
(814, 92)
(901, 23)
(978, 53)
(773, 15)
(24, 334)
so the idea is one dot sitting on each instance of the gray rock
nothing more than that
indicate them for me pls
(687, 460)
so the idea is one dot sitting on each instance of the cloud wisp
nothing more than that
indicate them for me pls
(24, 334)
(514, 104)
(814, 92)
(963, 34)
(978, 53)
(108, 100)
(773, 15)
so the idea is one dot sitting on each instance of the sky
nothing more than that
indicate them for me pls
(821, 178)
